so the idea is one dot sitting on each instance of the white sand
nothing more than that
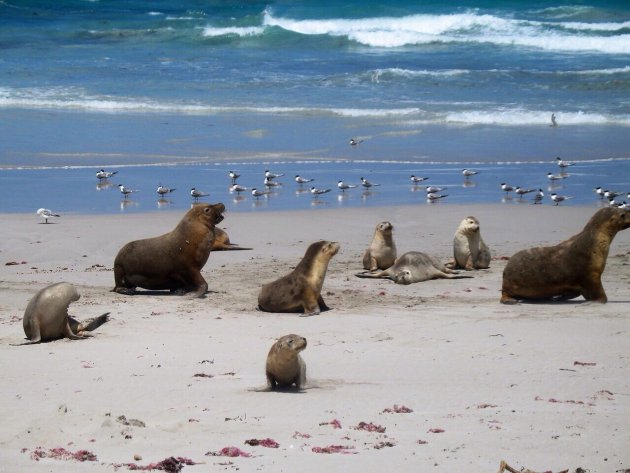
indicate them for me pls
(481, 371)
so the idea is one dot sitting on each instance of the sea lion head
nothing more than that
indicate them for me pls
(402, 277)
(469, 225)
(292, 342)
(209, 214)
(609, 219)
(385, 227)
(328, 248)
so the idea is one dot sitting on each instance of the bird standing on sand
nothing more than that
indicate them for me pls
(600, 192)
(164, 190)
(233, 176)
(302, 180)
(417, 180)
(195, 194)
(46, 214)
(126, 191)
(343, 186)
(367, 184)
(269, 182)
(538, 197)
(469, 172)
(562, 163)
(559, 198)
(102, 174)
(237, 188)
(611, 194)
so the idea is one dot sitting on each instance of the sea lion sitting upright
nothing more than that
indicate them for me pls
(569, 269)
(46, 316)
(171, 261)
(381, 253)
(285, 367)
(300, 290)
(414, 266)
(469, 250)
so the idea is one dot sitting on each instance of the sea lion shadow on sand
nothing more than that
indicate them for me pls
(46, 316)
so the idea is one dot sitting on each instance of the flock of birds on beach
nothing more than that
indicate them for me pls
(433, 193)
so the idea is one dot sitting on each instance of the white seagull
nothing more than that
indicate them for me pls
(538, 197)
(600, 192)
(102, 174)
(271, 175)
(237, 188)
(521, 192)
(343, 186)
(126, 190)
(164, 190)
(46, 214)
(506, 187)
(469, 172)
(354, 141)
(195, 194)
(317, 192)
(367, 184)
(611, 194)
(432, 196)
(233, 176)
(555, 177)
(562, 163)
(269, 182)
(434, 189)
(256, 193)
(417, 180)
(302, 180)
(559, 198)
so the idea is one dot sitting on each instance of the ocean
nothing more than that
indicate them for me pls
(179, 93)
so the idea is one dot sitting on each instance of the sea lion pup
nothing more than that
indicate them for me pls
(569, 269)
(172, 261)
(300, 290)
(414, 266)
(285, 367)
(46, 316)
(381, 253)
(222, 242)
(469, 250)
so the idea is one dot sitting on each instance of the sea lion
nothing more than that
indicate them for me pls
(222, 242)
(414, 266)
(285, 367)
(46, 316)
(171, 261)
(469, 250)
(300, 290)
(569, 269)
(381, 253)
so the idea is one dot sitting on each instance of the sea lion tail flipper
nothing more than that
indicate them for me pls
(369, 274)
(92, 324)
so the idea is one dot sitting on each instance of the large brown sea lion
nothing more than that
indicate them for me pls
(469, 250)
(46, 316)
(569, 269)
(381, 253)
(300, 290)
(172, 261)
(285, 367)
(414, 266)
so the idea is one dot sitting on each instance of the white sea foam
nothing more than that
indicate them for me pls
(391, 32)
(237, 31)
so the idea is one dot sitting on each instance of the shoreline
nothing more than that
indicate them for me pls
(484, 382)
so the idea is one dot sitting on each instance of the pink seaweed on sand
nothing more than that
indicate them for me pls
(269, 443)
(229, 452)
(170, 464)
(370, 427)
(436, 430)
(335, 423)
(398, 409)
(61, 453)
(301, 435)
(345, 449)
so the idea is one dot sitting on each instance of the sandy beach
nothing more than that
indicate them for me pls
(434, 376)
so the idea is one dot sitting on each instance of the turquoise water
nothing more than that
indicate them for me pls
(152, 87)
